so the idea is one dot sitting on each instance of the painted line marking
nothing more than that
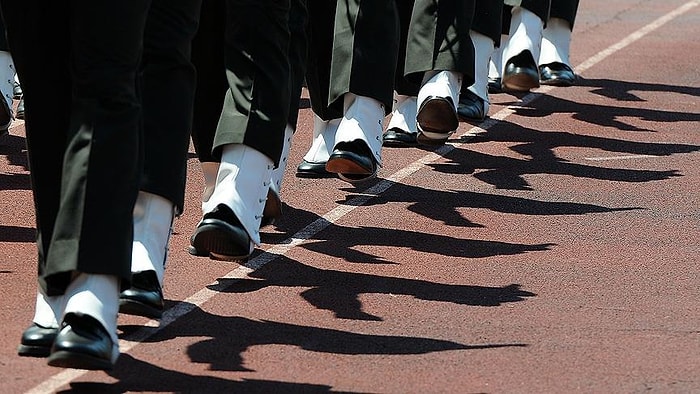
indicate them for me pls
(180, 309)
(628, 157)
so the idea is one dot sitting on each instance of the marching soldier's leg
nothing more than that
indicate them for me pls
(402, 128)
(525, 24)
(485, 34)
(168, 84)
(365, 49)
(441, 55)
(250, 135)
(554, 64)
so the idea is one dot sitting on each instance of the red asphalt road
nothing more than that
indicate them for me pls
(555, 252)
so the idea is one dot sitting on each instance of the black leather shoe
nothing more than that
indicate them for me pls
(221, 235)
(437, 115)
(494, 85)
(521, 73)
(144, 297)
(308, 169)
(352, 161)
(557, 74)
(398, 138)
(37, 341)
(82, 343)
(471, 106)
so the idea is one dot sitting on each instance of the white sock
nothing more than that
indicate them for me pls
(209, 170)
(483, 49)
(403, 116)
(47, 310)
(362, 120)
(7, 76)
(440, 83)
(242, 184)
(97, 296)
(153, 218)
(496, 61)
(556, 40)
(525, 34)
(278, 172)
(323, 140)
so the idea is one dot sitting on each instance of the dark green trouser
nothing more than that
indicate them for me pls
(353, 49)
(438, 38)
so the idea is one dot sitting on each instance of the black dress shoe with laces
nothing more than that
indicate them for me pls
(557, 74)
(83, 343)
(471, 106)
(221, 235)
(352, 161)
(308, 169)
(144, 297)
(37, 341)
(521, 73)
(398, 138)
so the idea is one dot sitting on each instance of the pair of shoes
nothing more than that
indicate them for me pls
(398, 138)
(471, 106)
(437, 120)
(83, 343)
(353, 161)
(37, 341)
(557, 74)
(494, 84)
(144, 297)
(308, 169)
(521, 73)
(220, 235)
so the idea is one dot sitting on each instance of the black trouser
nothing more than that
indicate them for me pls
(79, 64)
(4, 46)
(438, 38)
(353, 49)
(168, 81)
(537, 7)
(488, 19)
(212, 84)
(564, 9)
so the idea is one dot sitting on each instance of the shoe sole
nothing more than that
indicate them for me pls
(66, 359)
(520, 83)
(557, 82)
(33, 351)
(218, 243)
(438, 117)
(135, 308)
(346, 166)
